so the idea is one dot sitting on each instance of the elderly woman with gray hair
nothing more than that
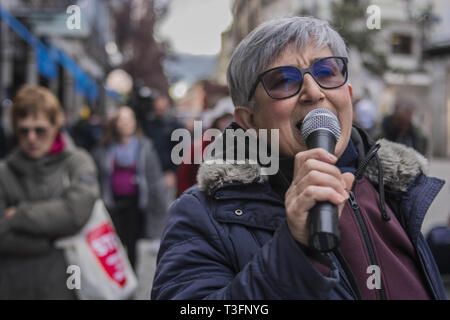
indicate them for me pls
(243, 235)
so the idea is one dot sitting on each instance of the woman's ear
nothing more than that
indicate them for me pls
(60, 120)
(244, 117)
(350, 90)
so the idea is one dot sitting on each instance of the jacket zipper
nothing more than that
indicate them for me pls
(357, 211)
(348, 272)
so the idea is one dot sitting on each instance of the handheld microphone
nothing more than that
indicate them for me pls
(321, 129)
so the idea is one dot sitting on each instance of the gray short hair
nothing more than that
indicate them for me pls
(263, 45)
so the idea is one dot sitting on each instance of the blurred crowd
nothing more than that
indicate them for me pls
(398, 126)
(52, 173)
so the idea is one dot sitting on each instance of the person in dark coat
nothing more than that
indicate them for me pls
(159, 128)
(242, 234)
(88, 131)
(48, 188)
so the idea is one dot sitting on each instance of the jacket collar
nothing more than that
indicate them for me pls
(403, 176)
(401, 165)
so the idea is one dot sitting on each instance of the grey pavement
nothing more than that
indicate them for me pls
(145, 268)
(437, 215)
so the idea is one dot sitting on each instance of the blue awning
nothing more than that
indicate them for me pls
(84, 84)
(48, 59)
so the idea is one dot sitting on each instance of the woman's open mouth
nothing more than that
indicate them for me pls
(299, 125)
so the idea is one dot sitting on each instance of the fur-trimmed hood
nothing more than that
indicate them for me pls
(400, 166)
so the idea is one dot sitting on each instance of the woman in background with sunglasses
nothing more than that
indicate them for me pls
(242, 235)
(47, 190)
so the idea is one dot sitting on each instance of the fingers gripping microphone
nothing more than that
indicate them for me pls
(321, 129)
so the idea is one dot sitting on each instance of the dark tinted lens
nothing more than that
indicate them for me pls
(330, 72)
(282, 82)
(40, 131)
(23, 131)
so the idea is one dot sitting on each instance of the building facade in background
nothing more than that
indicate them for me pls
(437, 57)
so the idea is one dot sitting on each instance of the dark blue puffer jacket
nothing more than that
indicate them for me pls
(228, 239)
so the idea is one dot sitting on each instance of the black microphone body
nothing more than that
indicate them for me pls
(323, 222)
(321, 129)
(321, 138)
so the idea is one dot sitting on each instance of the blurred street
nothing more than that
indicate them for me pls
(146, 266)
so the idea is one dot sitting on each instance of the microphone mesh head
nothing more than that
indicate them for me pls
(320, 119)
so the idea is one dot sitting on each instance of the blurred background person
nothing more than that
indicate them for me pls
(217, 118)
(132, 184)
(88, 130)
(159, 128)
(399, 126)
(366, 115)
(47, 190)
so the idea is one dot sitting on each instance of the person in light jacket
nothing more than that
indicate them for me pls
(48, 188)
(132, 183)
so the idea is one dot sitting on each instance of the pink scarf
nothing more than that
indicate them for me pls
(58, 144)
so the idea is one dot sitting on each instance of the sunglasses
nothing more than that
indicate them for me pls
(39, 131)
(285, 82)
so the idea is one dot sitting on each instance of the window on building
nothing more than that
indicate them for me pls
(401, 44)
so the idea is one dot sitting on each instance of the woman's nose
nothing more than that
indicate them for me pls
(31, 135)
(310, 92)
